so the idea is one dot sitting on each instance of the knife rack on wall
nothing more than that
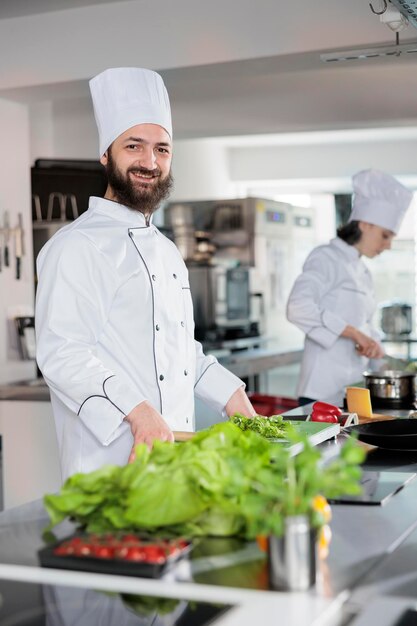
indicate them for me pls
(15, 235)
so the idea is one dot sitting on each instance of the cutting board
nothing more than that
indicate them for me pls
(317, 432)
(376, 417)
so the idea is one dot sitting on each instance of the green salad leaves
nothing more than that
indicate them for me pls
(274, 427)
(223, 482)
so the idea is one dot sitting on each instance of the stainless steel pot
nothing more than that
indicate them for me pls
(395, 385)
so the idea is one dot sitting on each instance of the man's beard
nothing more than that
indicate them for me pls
(137, 197)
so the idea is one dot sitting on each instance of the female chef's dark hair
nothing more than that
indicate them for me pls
(350, 232)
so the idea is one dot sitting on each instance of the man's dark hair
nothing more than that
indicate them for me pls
(350, 232)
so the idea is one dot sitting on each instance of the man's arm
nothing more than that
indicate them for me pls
(240, 403)
(147, 424)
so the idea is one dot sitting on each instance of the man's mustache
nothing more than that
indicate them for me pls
(145, 172)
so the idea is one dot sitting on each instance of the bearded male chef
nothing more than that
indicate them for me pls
(114, 315)
(333, 300)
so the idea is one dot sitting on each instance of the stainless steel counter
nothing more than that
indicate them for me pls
(243, 362)
(29, 390)
(248, 363)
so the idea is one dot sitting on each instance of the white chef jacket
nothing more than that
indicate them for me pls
(335, 289)
(114, 327)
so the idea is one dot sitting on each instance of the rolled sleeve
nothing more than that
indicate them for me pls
(216, 385)
(327, 334)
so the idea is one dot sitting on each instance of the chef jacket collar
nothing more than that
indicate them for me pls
(119, 212)
(350, 252)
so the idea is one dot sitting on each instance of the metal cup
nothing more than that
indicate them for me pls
(292, 558)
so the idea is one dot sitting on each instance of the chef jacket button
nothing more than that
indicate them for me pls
(186, 420)
(174, 275)
(185, 372)
(182, 324)
(161, 377)
(157, 327)
(153, 277)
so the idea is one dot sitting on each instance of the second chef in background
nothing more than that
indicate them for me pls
(114, 318)
(333, 300)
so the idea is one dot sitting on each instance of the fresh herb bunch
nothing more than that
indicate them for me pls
(223, 482)
(273, 427)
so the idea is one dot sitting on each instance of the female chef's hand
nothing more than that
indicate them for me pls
(147, 424)
(365, 345)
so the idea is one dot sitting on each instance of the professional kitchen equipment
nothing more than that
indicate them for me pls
(396, 318)
(270, 238)
(221, 301)
(377, 487)
(391, 388)
(25, 327)
(398, 434)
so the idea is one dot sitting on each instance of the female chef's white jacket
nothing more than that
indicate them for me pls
(114, 327)
(335, 289)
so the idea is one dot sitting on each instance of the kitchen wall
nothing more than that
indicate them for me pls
(300, 159)
(16, 295)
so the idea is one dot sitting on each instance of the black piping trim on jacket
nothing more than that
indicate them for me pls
(201, 375)
(106, 397)
(153, 312)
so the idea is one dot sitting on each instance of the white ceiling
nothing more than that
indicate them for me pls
(20, 8)
(287, 92)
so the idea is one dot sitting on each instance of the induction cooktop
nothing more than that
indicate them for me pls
(377, 487)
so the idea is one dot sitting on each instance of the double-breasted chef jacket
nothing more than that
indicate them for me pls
(115, 327)
(334, 290)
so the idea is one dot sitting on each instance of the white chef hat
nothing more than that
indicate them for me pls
(379, 199)
(126, 96)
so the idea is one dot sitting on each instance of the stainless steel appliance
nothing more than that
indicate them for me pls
(221, 301)
(269, 238)
(391, 388)
(396, 318)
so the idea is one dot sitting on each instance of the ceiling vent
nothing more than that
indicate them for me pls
(359, 54)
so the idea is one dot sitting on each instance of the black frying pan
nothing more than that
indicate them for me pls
(399, 434)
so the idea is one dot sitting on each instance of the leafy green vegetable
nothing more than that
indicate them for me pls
(274, 427)
(223, 482)
(146, 605)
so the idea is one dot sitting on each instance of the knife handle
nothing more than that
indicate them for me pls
(17, 268)
(6, 256)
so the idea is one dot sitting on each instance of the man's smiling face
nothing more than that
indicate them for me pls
(138, 166)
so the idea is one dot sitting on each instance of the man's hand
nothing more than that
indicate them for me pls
(147, 424)
(240, 403)
(366, 346)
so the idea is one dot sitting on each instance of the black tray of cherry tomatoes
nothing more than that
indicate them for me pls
(127, 554)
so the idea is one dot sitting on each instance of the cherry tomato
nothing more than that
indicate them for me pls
(131, 538)
(155, 554)
(324, 407)
(135, 553)
(103, 552)
(321, 416)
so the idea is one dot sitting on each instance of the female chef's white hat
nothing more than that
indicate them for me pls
(379, 199)
(126, 96)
